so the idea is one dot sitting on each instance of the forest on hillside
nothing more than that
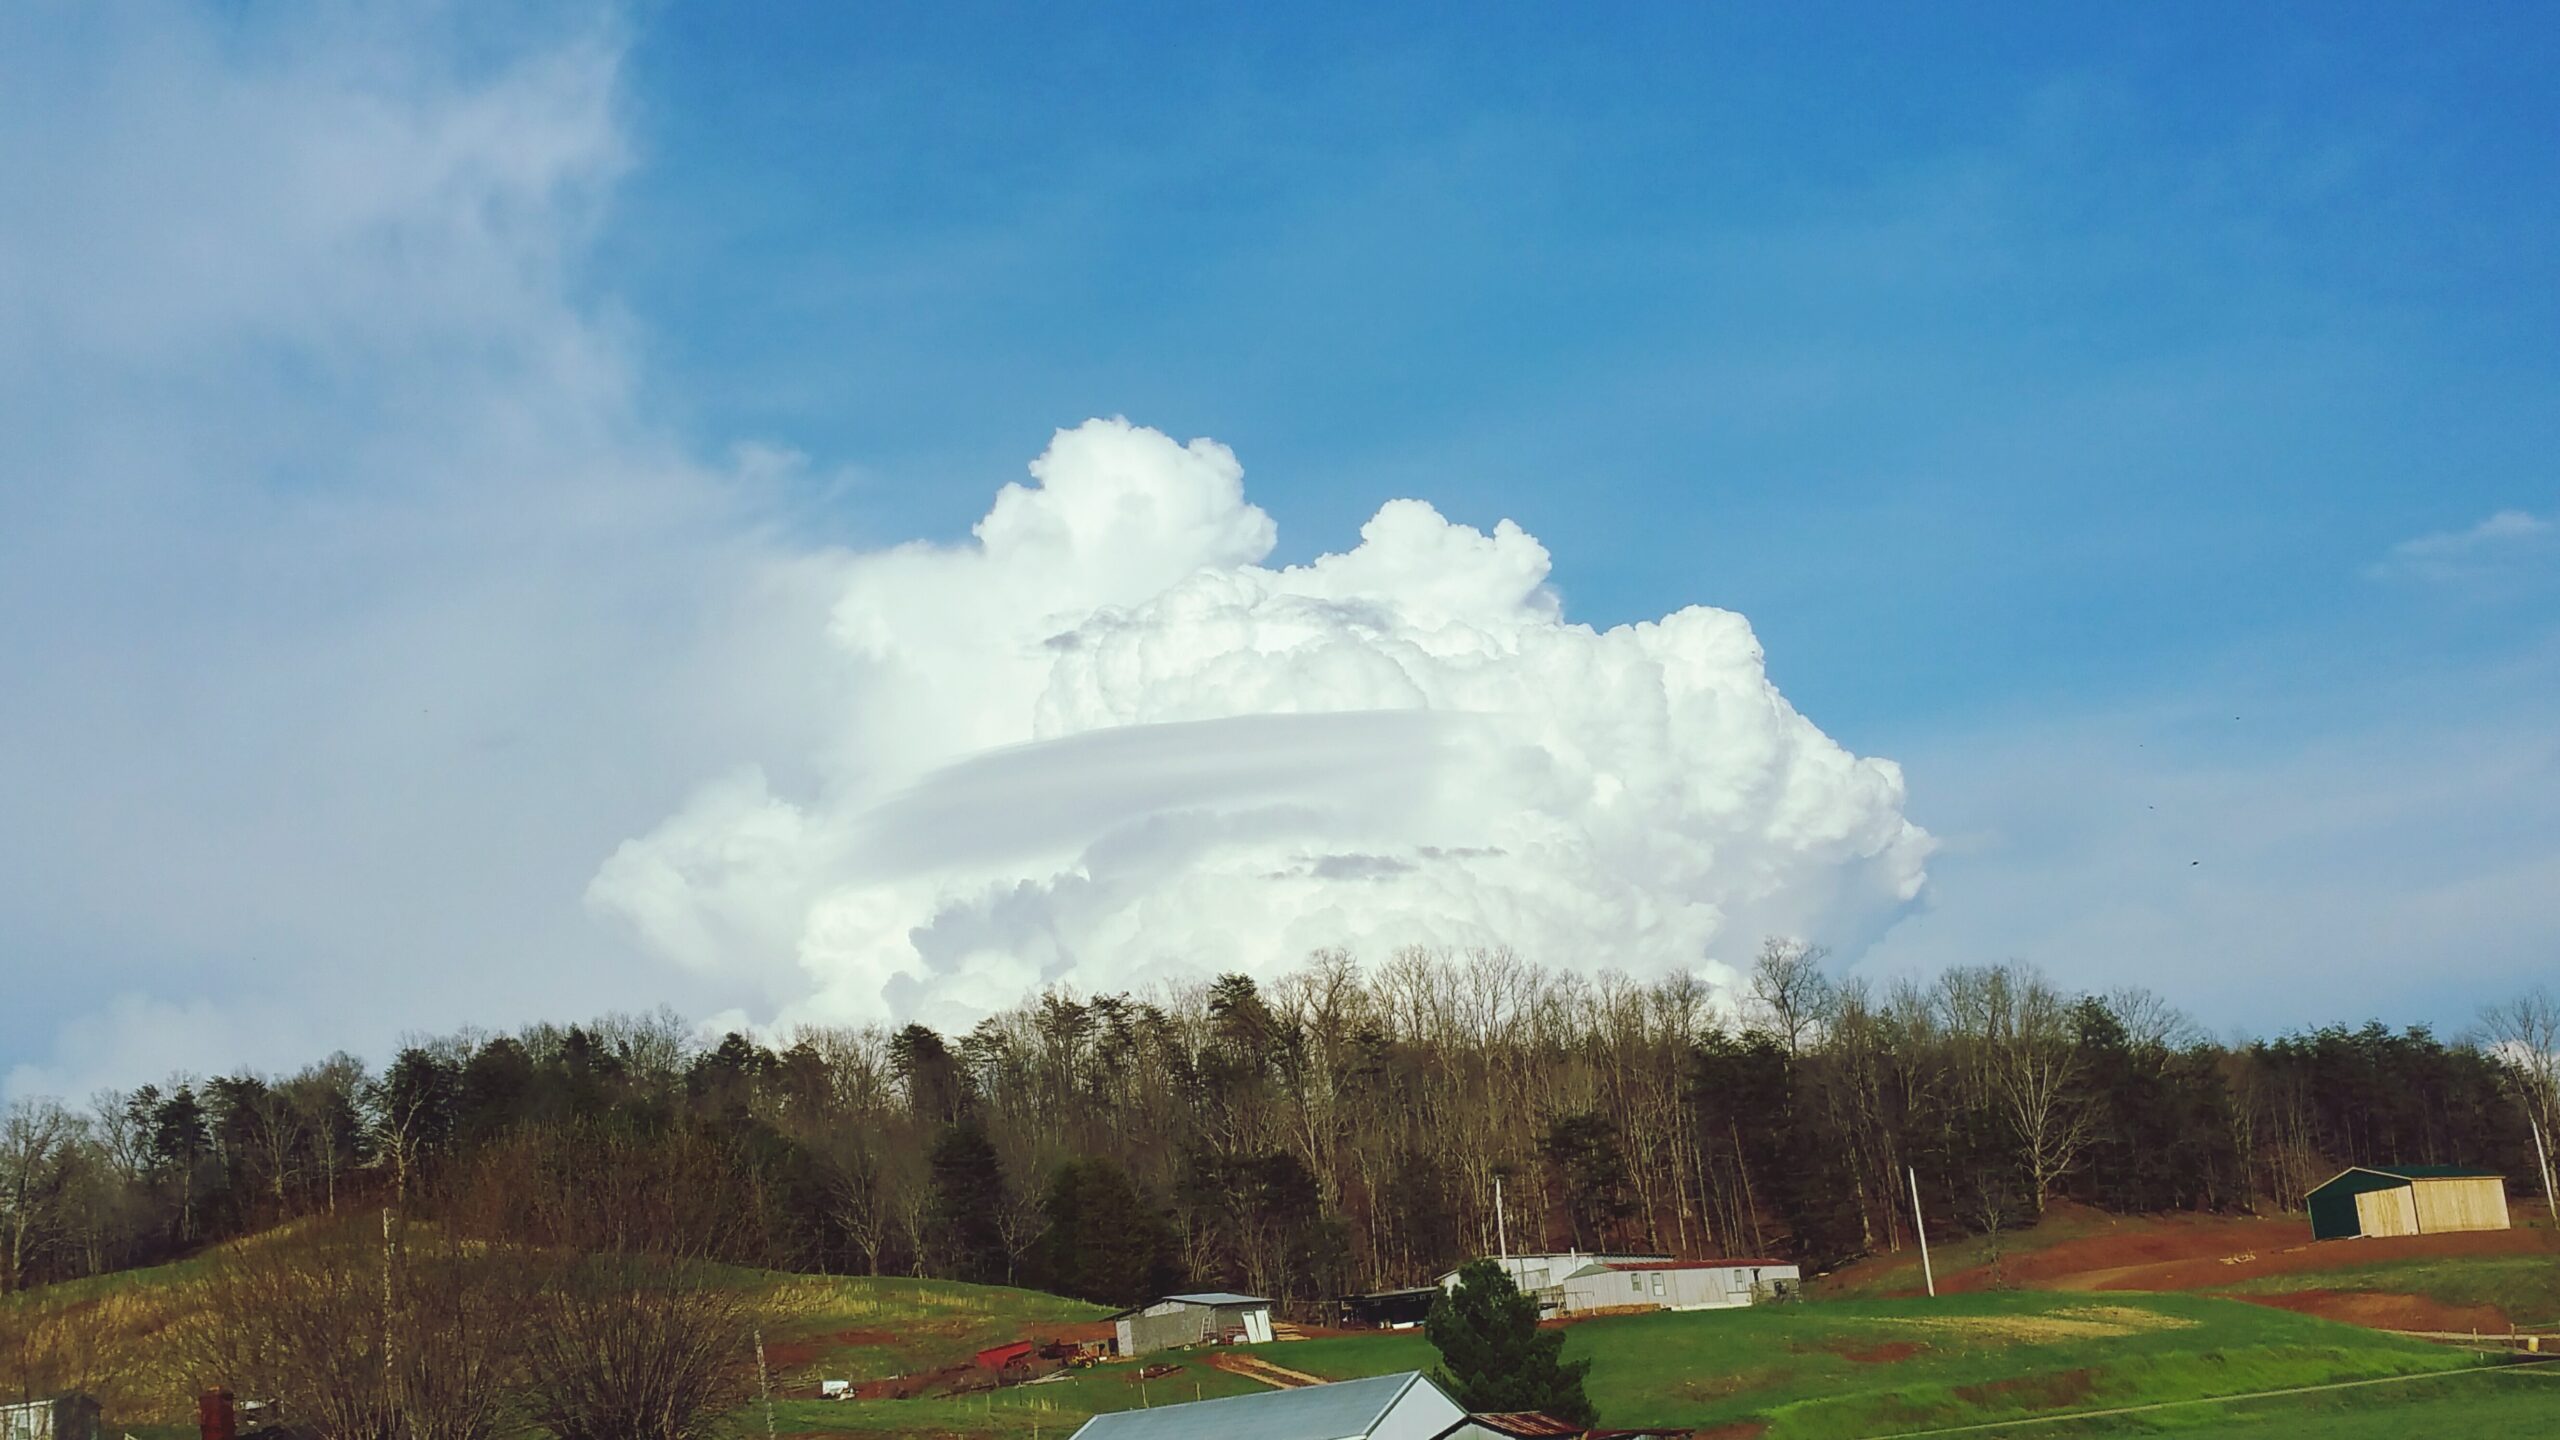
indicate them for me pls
(1339, 1129)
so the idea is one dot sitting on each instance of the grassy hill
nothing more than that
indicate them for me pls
(1809, 1372)
(1869, 1364)
(2486, 1280)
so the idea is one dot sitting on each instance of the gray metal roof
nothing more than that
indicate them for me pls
(1217, 1297)
(1346, 1410)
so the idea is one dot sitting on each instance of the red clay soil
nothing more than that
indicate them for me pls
(2212, 1252)
(2058, 1391)
(2389, 1312)
(1891, 1352)
(791, 1354)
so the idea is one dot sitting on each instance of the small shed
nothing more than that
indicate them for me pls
(1209, 1317)
(69, 1417)
(2407, 1200)
(1384, 1407)
(1389, 1309)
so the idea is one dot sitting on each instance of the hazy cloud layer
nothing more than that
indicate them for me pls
(1105, 743)
(353, 607)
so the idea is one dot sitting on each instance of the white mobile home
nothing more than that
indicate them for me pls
(1675, 1285)
(1542, 1277)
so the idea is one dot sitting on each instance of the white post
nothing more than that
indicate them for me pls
(1921, 1225)
(764, 1382)
(2550, 1201)
(1501, 1231)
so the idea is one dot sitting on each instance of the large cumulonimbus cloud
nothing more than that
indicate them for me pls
(1105, 745)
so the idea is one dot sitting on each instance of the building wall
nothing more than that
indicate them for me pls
(1422, 1412)
(2471, 1203)
(2387, 1212)
(1711, 1288)
(1170, 1323)
(1160, 1327)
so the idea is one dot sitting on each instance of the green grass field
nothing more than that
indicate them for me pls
(1811, 1372)
(862, 1328)
(2526, 1287)
(1822, 1371)
(2502, 1403)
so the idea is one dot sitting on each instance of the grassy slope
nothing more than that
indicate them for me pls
(2509, 1403)
(2526, 1287)
(1810, 1372)
(1835, 1368)
(1873, 1367)
(862, 1328)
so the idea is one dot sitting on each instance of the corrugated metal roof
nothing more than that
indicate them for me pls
(2437, 1172)
(1346, 1410)
(1525, 1423)
(1217, 1297)
(2376, 1177)
(1702, 1265)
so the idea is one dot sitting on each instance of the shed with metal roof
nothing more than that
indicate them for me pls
(1385, 1407)
(2370, 1200)
(1205, 1318)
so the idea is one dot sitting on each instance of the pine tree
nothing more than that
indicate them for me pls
(1493, 1356)
(968, 1196)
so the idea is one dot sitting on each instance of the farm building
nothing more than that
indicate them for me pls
(1386, 1407)
(1208, 1318)
(1676, 1285)
(2407, 1200)
(1388, 1309)
(72, 1417)
(1542, 1276)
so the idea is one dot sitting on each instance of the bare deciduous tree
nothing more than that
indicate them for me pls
(1790, 989)
(638, 1347)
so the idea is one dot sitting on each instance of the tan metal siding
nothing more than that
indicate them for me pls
(2387, 1212)
(2471, 1203)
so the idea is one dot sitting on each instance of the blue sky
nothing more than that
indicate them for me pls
(1995, 354)
(2138, 424)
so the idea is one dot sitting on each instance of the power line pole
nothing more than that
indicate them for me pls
(2550, 1199)
(764, 1382)
(1922, 1225)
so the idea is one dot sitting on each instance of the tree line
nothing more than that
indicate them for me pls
(1342, 1128)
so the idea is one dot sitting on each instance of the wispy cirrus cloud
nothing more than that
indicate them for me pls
(2504, 546)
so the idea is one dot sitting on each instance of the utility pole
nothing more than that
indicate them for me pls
(390, 1262)
(1921, 1225)
(2550, 1200)
(764, 1382)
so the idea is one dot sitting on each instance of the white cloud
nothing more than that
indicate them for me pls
(354, 606)
(1105, 743)
(2508, 539)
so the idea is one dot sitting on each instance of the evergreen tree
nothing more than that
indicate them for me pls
(1493, 1356)
(968, 1203)
(1104, 1242)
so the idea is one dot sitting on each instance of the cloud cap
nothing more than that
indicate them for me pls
(1105, 744)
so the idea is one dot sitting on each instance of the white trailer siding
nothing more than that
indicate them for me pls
(1688, 1285)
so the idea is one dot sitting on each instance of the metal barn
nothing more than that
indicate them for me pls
(1386, 1407)
(1193, 1320)
(2407, 1200)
